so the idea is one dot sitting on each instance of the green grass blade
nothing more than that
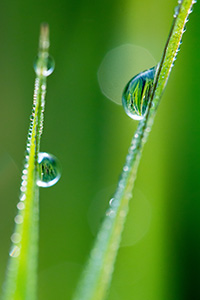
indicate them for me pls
(98, 271)
(21, 277)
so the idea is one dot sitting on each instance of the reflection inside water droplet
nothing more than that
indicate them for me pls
(15, 251)
(22, 197)
(44, 65)
(136, 94)
(111, 201)
(49, 169)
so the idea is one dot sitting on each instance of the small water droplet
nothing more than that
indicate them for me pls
(24, 182)
(15, 238)
(110, 213)
(44, 65)
(176, 11)
(24, 177)
(132, 148)
(19, 219)
(20, 206)
(136, 94)
(125, 168)
(121, 183)
(111, 201)
(23, 189)
(25, 171)
(49, 169)
(15, 251)
(148, 129)
(22, 197)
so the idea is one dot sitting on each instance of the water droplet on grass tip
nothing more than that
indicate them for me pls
(49, 170)
(44, 65)
(136, 94)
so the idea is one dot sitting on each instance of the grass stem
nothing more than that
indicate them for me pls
(99, 268)
(21, 277)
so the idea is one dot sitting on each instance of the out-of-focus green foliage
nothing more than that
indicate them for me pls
(90, 135)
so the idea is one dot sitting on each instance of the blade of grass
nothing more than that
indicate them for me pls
(21, 277)
(98, 271)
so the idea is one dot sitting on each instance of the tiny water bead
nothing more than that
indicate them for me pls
(49, 170)
(136, 94)
(19, 219)
(44, 65)
(15, 251)
(15, 238)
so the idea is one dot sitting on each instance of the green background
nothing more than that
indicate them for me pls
(159, 257)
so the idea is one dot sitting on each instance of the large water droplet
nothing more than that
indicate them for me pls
(136, 94)
(44, 65)
(49, 169)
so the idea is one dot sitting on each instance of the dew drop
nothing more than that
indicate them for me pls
(176, 11)
(111, 201)
(20, 205)
(132, 148)
(15, 238)
(19, 219)
(44, 65)
(24, 182)
(15, 251)
(49, 169)
(22, 197)
(136, 94)
(23, 188)
(125, 168)
(24, 177)
(110, 213)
